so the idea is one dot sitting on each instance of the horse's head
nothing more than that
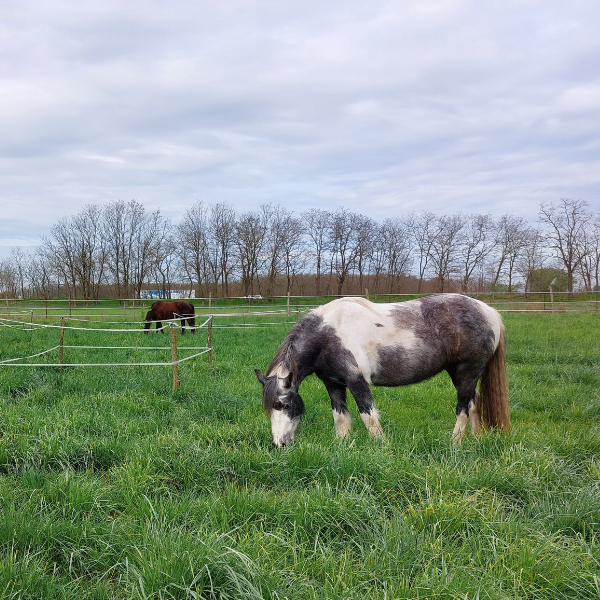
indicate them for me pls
(148, 320)
(282, 402)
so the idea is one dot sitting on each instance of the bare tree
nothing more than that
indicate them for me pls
(444, 248)
(251, 233)
(397, 249)
(477, 240)
(221, 241)
(193, 234)
(21, 262)
(291, 248)
(123, 224)
(275, 218)
(424, 229)
(77, 251)
(145, 252)
(589, 254)
(513, 235)
(8, 279)
(595, 253)
(316, 222)
(565, 224)
(165, 257)
(343, 237)
(532, 257)
(40, 276)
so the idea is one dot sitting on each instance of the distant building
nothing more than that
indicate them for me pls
(172, 294)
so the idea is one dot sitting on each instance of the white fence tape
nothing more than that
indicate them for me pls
(12, 362)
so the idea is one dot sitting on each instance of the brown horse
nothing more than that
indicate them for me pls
(179, 309)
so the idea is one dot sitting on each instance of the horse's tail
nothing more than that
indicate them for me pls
(493, 389)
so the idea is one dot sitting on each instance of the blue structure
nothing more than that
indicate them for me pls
(174, 295)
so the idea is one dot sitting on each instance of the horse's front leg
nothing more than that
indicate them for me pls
(182, 326)
(159, 326)
(341, 416)
(361, 391)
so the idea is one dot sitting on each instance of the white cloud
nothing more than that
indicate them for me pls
(381, 107)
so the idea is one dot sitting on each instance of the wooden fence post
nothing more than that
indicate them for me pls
(176, 381)
(551, 299)
(209, 303)
(209, 342)
(288, 304)
(60, 343)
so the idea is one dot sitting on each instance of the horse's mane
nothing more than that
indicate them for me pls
(284, 361)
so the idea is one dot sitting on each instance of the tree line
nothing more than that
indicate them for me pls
(121, 248)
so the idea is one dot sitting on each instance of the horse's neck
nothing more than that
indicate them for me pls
(286, 361)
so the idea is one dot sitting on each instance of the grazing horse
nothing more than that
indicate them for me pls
(161, 310)
(351, 343)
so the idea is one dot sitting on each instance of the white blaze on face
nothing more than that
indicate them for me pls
(283, 428)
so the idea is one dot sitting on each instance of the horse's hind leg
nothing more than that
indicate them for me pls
(361, 391)
(465, 382)
(341, 416)
(475, 413)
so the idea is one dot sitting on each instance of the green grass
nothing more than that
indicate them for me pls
(113, 486)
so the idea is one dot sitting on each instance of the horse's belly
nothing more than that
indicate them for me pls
(397, 366)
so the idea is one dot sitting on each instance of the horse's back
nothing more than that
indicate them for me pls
(163, 307)
(406, 342)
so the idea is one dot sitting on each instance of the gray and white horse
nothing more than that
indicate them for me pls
(352, 343)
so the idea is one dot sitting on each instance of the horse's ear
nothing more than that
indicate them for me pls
(262, 378)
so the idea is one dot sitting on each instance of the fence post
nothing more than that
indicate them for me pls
(46, 304)
(367, 293)
(209, 342)
(60, 343)
(209, 303)
(551, 299)
(288, 305)
(176, 381)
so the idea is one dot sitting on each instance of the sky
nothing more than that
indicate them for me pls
(383, 108)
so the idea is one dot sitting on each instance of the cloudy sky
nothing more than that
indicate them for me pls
(382, 107)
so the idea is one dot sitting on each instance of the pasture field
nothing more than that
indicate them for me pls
(113, 486)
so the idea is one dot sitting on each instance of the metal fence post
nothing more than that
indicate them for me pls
(60, 343)
(176, 381)
(209, 342)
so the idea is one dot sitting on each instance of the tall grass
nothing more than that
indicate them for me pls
(113, 486)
